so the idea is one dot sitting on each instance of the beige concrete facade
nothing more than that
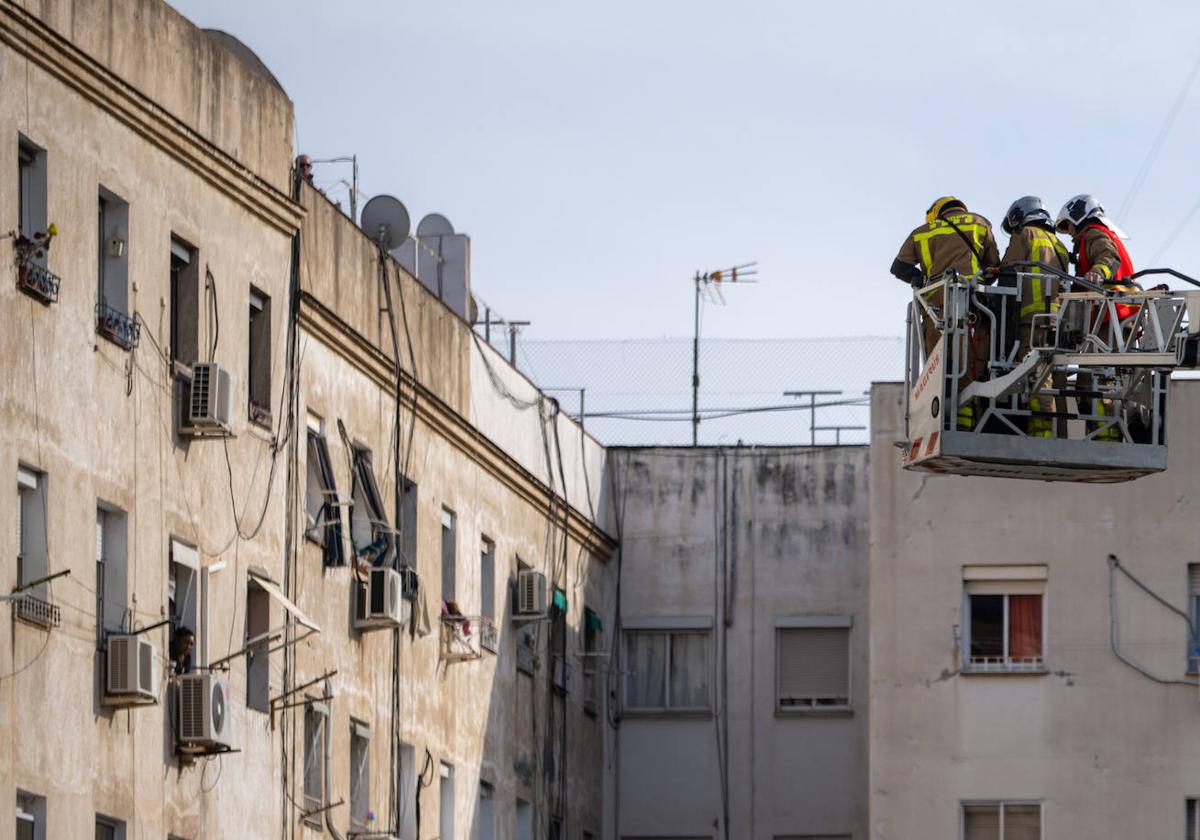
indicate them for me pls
(1102, 749)
(128, 101)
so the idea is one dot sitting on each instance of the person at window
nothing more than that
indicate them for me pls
(181, 650)
(951, 238)
(305, 166)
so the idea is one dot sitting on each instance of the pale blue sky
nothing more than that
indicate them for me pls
(597, 155)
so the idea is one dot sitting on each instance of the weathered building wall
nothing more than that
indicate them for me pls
(129, 98)
(1106, 751)
(99, 421)
(741, 542)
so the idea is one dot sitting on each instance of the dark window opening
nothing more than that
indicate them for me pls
(259, 368)
(324, 514)
(372, 536)
(185, 303)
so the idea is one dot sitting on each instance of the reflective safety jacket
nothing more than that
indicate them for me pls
(1032, 243)
(937, 247)
(1100, 249)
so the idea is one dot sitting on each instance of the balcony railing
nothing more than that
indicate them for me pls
(36, 611)
(117, 327)
(38, 282)
(1005, 664)
(461, 637)
(489, 635)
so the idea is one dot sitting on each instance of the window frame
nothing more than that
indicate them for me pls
(669, 631)
(487, 578)
(183, 301)
(258, 358)
(112, 569)
(1005, 581)
(843, 624)
(363, 482)
(319, 713)
(1001, 804)
(449, 582)
(327, 533)
(360, 738)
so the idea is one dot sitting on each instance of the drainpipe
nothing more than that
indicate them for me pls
(337, 835)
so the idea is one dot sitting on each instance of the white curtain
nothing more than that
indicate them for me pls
(689, 670)
(645, 686)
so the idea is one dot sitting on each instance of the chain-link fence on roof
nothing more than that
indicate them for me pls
(639, 391)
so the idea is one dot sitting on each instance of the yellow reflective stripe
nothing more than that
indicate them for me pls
(1038, 249)
(1103, 269)
(942, 228)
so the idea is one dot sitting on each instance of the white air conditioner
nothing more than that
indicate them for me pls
(204, 724)
(381, 601)
(132, 672)
(531, 593)
(210, 400)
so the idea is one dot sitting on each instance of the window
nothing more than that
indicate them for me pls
(407, 791)
(1002, 821)
(32, 556)
(184, 598)
(315, 715)
(1004, 618)
(556, 829)
(524, 820)
(667, 670)
(31, 816)
(111, 571)
(487, 579)
(259, 368)
(323, 524)
(369, 530)
(485, 820)
(1192, 820)
(31, 191)
(812, 664)
(449, 554)
(446, 803)
(360, 776)
(112, 269)
(109, 829)
(185, 303)
(561, 676)
(1194, 612)
(593, 632)
(258, 644)
(408, 522)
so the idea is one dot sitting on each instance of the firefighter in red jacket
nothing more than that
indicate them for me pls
(1100, 257)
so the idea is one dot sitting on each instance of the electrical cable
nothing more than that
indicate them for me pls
(1114, 565)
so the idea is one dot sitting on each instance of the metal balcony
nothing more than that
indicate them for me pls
(461, 637)
(34, 610)
(38, 282)
(118, 327)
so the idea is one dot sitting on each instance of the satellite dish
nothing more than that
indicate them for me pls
(434, 224)
(385, 220)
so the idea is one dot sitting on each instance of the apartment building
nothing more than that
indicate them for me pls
(1023, 684)
(741, 680)
(293, 553)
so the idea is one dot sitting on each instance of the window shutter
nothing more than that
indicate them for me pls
(20, 523)
(1194, 578)
(981, 822)
(814, 664)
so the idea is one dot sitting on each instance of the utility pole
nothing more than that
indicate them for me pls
(710, 282)
(513, 328)
(812, 410)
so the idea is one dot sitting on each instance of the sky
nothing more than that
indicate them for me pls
(598, 155)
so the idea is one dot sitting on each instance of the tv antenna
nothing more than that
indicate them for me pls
(353, 161)
(709, 284)
(386, 221)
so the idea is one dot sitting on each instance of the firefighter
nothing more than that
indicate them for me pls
(951, 238)
(1032, 239)
(1100, 257)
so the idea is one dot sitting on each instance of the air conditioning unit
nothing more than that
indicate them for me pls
(210, 400)
(204, 724)
(531, 593)
(381, 600)
(132, 672)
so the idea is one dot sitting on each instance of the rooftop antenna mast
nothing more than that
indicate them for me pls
(708, 284)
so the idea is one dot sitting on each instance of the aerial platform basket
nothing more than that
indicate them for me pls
(1086, 400)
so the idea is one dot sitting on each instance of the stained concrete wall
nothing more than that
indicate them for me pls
(739, 540)
(1107, 751)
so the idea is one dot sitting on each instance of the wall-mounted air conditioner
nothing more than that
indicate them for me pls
(203, 708)
(531, 593)
(381, 600)
(209, 400)
(131, 672)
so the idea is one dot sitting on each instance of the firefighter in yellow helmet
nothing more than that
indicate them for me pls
(1032, 239)
(951, 238)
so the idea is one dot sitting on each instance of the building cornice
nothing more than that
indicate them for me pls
(324, 324)
(38, 43)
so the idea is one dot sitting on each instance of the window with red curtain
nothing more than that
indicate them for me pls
(1024, 628)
